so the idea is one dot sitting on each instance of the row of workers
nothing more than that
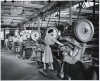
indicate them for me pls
(18, 45)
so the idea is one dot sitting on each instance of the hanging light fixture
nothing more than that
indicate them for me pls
(43, 19)
(57, 15)
(12, 22)
(23, 12)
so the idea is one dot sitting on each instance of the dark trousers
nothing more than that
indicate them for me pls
(56, 64)
(2, 43)
(74, 71)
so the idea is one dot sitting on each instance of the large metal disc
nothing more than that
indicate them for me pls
(84, 31)
(35, 35)
(55, 32)
(25, 35)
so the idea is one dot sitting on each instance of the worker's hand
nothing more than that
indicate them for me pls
(61, 45)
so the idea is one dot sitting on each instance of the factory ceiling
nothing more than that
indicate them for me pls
(20, 14)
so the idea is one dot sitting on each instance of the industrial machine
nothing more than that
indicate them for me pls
(82, 34)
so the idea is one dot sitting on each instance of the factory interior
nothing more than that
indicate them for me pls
(49, 40)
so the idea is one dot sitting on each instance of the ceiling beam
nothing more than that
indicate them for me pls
(13, 17)
(73, 16)
(46, 22)
(85, 11)
(13, 28)
(67, 16)
(10, 7)
(11, 20)
(15, 12)
(15, 21)
(57, 20)
(9, 25)
(18, 4)
(38, 11)
(82, 11)
(24, 16)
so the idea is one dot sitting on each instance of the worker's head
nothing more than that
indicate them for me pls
(50, 32)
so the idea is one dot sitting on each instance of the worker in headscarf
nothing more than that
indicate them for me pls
(14, 46)
(20, 45)
(48, 57)
(6, 43)
(72, 63)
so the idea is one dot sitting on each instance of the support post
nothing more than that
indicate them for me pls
(38, 24)
(59, 13)
(70, 12)
(4, 34)
(48, 20)
(93, 12)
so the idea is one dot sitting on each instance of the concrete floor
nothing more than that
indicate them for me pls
(13, 68)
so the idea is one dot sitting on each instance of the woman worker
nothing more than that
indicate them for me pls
(48, 57)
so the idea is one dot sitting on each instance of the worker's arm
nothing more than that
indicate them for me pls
(57, 41)
(78, 56)
(75, 51)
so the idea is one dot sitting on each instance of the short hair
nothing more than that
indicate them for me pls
(51, 30)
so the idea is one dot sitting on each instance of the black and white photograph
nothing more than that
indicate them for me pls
(49, 40)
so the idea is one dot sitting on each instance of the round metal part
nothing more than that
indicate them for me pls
(25, 35)
(55, 32)
(84, 31)
(35, 35)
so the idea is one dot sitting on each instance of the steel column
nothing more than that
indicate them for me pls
(70, 17)
(93, 12)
